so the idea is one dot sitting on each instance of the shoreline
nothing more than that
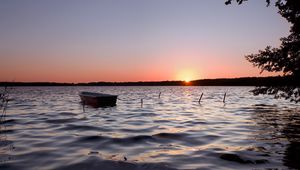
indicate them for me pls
(242, 81)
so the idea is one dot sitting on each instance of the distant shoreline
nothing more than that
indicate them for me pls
(242, 81)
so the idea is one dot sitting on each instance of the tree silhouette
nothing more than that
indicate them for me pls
(286, 58)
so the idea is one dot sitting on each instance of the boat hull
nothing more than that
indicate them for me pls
(98, 99)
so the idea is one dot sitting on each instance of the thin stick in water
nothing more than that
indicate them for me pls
(200, 97)
(224, 97)
(159, 95)
(83, 106)
(141, 102)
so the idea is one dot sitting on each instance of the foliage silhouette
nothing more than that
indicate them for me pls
(284, 59)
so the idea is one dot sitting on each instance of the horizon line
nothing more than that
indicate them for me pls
(148, 81)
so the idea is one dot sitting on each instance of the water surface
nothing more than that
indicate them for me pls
(46, 128)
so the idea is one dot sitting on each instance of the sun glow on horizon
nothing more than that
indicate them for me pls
(187, 75)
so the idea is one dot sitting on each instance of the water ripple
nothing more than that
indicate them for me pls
(47, 128)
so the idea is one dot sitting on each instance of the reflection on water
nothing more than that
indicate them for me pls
(282, 126)
(45, 128)
(5, 144)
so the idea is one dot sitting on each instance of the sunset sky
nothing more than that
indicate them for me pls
(133, 40)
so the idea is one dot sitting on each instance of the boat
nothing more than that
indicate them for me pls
(98, 99)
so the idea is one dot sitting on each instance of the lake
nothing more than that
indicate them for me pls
(48, 128)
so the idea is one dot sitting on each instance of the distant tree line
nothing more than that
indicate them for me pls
(244, 81)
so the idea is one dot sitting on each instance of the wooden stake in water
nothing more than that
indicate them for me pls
(141, 102)
(224, 97)
(159, 95)
(200, 97)
(83, 106)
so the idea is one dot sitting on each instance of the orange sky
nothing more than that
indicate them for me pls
(173, 66)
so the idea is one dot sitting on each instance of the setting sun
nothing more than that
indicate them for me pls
(187, 75)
